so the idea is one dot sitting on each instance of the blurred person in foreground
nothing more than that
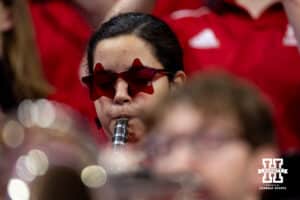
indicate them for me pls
(20, 68)
(133, 60)
(211, 135)
(48, 154)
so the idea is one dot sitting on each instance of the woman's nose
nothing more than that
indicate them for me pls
(121, 94)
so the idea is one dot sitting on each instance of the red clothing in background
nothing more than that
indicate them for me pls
(62, 35)
(263, 51)
(165, 7)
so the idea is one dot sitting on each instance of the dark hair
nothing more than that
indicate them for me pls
(147, 27)
(221, 94)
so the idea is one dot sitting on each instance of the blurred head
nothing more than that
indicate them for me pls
(133, 59)
(49, 156)
(60, 183)
(216, 129)
(20, 66)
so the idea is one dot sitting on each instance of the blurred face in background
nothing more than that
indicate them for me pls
(5, 22)
(5, 17)
(117, 55)
(206, 148)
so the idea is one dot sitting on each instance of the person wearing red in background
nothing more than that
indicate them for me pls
(253, 40)
(62, 31)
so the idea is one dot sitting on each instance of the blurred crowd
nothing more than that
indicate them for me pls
(209, 91)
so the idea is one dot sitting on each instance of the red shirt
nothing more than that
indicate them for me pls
(263, 51)
(62, 35)
(165, 7)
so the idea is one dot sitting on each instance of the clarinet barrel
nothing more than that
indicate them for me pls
(120, 132)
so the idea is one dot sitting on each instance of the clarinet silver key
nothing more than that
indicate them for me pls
(120, 132)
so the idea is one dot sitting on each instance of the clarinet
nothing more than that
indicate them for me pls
(120, 132)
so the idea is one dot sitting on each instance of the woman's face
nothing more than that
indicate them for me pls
(117, 54)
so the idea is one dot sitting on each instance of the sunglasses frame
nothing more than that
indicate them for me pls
(97, 92)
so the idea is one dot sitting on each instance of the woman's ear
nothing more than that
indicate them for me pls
(179, 79)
